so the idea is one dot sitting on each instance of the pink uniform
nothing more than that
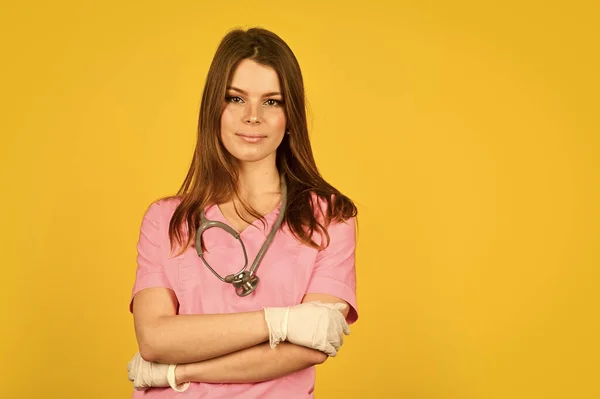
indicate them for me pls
(288, 271)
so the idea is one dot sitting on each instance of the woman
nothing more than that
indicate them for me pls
(252, 169)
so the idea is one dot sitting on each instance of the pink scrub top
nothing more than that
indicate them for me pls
(288, 271)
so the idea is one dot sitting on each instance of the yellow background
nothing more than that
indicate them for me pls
(466, 132)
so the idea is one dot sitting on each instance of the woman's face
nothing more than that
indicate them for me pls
(253, 121)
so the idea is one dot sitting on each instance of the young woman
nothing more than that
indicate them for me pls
(206, 328)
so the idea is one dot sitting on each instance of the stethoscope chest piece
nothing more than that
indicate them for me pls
(245, 283)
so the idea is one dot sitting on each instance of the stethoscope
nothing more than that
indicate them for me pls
(245, 282)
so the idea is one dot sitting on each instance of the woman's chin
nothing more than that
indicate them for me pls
(250, 156)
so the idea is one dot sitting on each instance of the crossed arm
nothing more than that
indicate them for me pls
(231, 348)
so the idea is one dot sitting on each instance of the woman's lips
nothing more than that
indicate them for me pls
(250, 138)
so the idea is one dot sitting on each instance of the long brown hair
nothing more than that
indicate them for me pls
(213, 177)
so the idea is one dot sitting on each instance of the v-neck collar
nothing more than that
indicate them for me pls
(213, 212)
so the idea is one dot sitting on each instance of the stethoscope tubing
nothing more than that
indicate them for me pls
(206, 224)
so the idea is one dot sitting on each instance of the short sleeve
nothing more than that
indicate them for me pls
(334, 272)
(152, 252)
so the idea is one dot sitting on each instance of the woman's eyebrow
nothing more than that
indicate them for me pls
(272, 93)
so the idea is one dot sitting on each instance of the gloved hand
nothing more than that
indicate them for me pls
(146, 374)
(315, 325)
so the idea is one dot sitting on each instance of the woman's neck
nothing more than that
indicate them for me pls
(257, 179)
(259, 186)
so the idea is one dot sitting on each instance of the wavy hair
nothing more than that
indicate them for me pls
(213, 177)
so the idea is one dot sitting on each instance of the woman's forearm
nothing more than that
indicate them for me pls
(193, 338)
(256, 364)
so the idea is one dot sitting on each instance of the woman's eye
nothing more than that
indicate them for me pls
(273, 103)
(233, 99)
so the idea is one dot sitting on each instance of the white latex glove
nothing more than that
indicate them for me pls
(146, 374)
(315, 325)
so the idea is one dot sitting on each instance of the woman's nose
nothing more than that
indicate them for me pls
(252, 120)
(252, 114)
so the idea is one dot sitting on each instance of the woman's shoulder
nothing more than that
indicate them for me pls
(163, 208)
(321, 202)
(334, 206)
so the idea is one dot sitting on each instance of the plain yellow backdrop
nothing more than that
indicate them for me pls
(466, 132)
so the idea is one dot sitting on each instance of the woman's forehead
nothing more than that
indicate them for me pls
(254, 79)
